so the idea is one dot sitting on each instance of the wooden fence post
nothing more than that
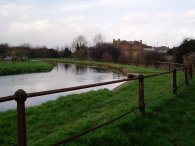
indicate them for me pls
(156, 65)
(186, 76)
(190, 72)
(174, 81)
(169, 67)
(183, 67)
(141, 95)
(146, 65)
(20, 97)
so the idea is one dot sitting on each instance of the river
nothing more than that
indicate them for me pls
(62, 76)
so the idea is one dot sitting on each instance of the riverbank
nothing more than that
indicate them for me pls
(55, 120)
(18, 67)
(119, 68)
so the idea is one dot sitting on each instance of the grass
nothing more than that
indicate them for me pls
(9, 68)
(169, 119)
(114, 67)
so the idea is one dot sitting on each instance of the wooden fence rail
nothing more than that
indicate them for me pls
(21, 96)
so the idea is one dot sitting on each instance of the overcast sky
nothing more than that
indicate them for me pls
(58, 22)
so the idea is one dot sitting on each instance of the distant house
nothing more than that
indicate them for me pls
(7, 58)
(162, 49)
(148, 48)
(133, 50)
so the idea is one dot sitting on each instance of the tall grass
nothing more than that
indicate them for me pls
(9, 68)
(166, 116)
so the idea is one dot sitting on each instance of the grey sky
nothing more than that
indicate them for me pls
(58, 22)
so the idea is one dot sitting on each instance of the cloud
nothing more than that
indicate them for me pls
(122, 3)
(72, 7)
(190, 14)
(166, 20)
(11, 9)
(45, 31)
(38, 25)
(137, 18)
(7, 9)
(55, 23)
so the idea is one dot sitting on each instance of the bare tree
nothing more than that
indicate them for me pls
(79, 42)
(98, 39)
(101, 51)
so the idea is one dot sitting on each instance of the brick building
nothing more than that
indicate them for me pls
(131, 50)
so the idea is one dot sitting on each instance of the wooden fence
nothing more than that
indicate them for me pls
(21, 96)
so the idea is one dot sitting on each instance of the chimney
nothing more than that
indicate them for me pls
(141, 41)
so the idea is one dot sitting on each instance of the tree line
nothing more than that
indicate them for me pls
(185, 52)
(99, 51)
(79, 49)
(26, 51)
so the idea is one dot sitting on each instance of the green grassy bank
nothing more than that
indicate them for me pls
(112, 66)
(169, 120)
(17, 67)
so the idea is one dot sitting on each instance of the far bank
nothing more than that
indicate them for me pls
(20, 67)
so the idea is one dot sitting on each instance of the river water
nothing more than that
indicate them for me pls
(62, 76)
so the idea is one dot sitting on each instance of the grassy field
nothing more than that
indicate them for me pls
(9, 68)
(169, 119)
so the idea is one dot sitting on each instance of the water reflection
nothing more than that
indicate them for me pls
(80, 69)
(62, 76)
(67, 66)
(100, 70)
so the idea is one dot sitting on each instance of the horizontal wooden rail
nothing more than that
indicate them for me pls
(76, 136)
(164, 63)
(159, 74)
(7, 98)
(34, 94)
(77, 87)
